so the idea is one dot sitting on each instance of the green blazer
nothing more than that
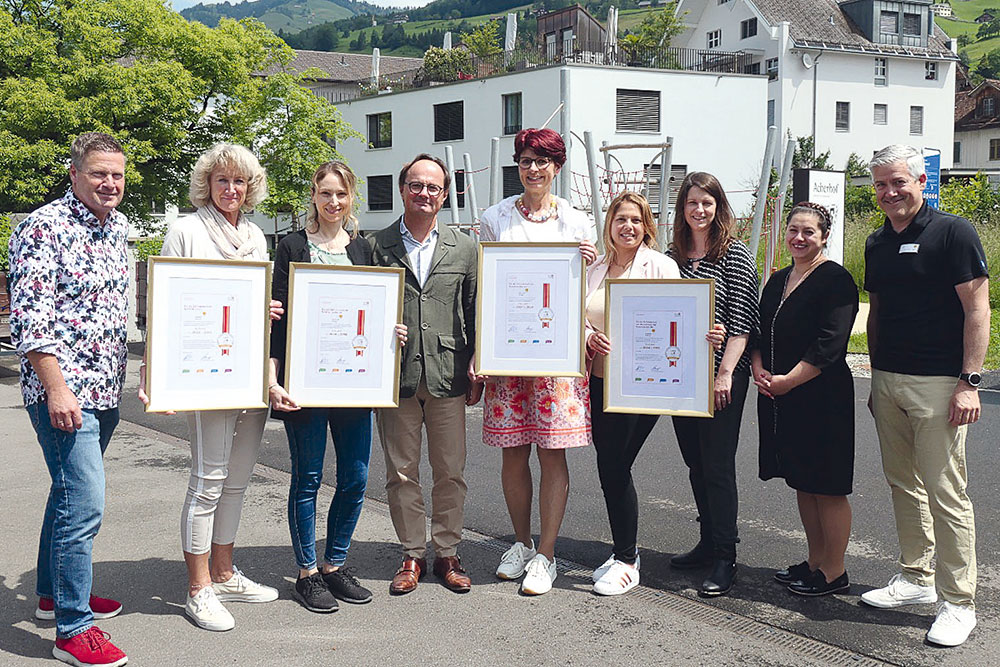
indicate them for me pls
(440, 316)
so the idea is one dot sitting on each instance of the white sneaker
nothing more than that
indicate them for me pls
(619, 578)
(540, 575)
(513, 562)
(207, 611)
(240, 588)
(899, 592)
(606, 565)
(953, 624)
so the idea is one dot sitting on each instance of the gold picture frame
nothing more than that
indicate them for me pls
(323, 368)
(188, 365)
(660, 362)
(524, 292)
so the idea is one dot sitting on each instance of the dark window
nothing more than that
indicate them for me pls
(449, 121)
(511, 182)
(714, 39)
(916, 120)
(380, 193)
(881, 114)
(995, 149)
(930, 71)
(956, 155)
(459, 181)
(843, 116)
(888, 23)
(911, 24)
(771, 67)
(512, 113)
(380, 130)
(987, 107)
(752, 68)
(748, 28)
(881, 72)
(637, 110)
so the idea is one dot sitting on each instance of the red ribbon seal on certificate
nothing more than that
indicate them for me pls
(545, 314)
(360, 342)
(673, 352)
(225, 339)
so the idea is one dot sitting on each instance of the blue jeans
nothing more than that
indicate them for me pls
(351, 429)
(73, 512)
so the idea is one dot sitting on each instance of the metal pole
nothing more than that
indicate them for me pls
(496, 180)
(595, 189)
(565, 175)
(779, 209)
(449, 159)
(663, 235)
(470, 190)
(765, 177)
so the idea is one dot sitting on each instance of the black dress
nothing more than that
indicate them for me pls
(807, 435)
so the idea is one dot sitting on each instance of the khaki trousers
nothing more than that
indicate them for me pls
(923, 457)
(399, 430)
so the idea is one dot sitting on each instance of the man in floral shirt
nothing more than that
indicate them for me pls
(69, 305)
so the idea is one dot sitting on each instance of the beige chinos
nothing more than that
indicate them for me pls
(923, 457)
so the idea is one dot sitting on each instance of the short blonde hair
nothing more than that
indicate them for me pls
(237, 159)
(350, 181)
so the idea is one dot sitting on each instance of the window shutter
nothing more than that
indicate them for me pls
(511, 182)
(380, 193)
(916, 120)
(637, 110)
(449, 122)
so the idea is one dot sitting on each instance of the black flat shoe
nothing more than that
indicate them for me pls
(721, 579)
(700, 556)
(793, 573)
(816, 585)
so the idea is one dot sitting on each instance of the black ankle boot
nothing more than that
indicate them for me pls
(700, 556)
(721, 579)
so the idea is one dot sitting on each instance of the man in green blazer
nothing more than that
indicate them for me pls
(439, 311)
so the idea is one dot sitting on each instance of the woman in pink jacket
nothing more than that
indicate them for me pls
(631, 253)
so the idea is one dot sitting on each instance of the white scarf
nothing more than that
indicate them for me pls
(233, 242)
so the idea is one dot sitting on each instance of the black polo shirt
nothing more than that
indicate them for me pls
(914, 273)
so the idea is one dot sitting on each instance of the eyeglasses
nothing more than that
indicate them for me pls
(540, 162)
(416, 187)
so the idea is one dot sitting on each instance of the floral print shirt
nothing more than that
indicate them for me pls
(69, 298)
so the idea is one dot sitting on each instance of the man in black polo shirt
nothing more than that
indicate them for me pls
(928, 329)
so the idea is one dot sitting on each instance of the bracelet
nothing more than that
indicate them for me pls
(272, 386)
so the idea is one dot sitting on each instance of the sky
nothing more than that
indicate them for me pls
(184, 4)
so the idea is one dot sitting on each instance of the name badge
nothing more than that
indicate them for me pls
(909, 248)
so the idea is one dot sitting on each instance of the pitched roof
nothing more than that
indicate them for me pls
(823, 24)
(966, 102)
(349, 67)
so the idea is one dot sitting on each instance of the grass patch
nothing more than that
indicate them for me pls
(858, 343)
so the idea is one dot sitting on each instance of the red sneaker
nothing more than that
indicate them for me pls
(90, 648)
(102, 608)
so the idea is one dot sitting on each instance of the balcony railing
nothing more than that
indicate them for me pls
(619, 55)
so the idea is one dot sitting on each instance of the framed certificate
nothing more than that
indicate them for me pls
(207, 334)
(660, 362)
(342, 349)
(529, 310)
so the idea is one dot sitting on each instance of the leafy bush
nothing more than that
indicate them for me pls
(859, 200)
(973, 199)
(5, 231)
(441, 65)
(147, 247)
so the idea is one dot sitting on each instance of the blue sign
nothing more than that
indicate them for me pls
(932, 165)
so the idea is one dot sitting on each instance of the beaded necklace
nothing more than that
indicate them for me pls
(540, 216)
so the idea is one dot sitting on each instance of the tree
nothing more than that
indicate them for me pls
(803, 158)
(484, 40)
(165, 87)
(658, 28)
(989, 65)
(855, 166)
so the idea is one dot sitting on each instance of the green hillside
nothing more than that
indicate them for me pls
(285, 15)
(964, 23)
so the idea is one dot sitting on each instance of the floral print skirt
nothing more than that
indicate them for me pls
(553, 413)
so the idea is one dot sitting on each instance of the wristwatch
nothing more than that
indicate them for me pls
(972, 379)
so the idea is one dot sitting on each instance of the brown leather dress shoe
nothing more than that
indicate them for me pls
(449, 569)
(408, 575)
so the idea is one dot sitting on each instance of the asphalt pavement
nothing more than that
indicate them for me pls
(663, 622)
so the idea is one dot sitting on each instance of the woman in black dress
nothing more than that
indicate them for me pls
(806, 406)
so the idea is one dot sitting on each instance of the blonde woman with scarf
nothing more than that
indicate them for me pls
(227, 181)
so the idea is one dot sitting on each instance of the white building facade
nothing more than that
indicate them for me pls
(857, 75)
(619, 105)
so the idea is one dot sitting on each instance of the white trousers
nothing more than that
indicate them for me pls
(224, 447)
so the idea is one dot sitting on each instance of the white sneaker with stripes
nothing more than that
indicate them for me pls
(619, 578)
